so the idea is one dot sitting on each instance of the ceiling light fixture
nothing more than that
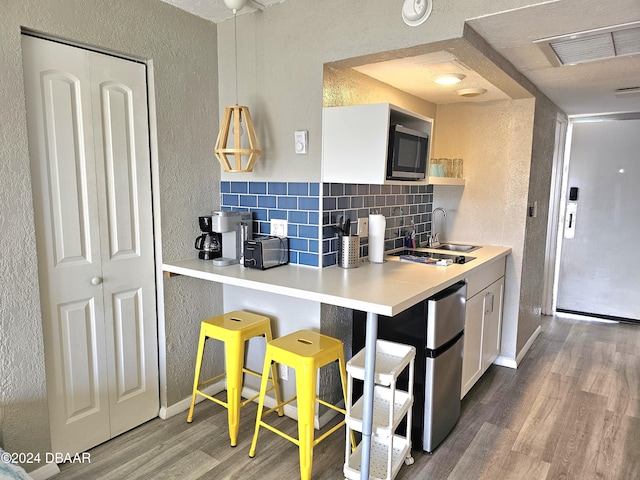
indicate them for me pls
(448, 78)
(232, 121)
(416, 12)
(471, 92)
(235, 5)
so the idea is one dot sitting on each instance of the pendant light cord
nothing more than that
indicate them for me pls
(235, 42)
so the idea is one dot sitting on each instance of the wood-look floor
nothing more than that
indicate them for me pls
(571, 411)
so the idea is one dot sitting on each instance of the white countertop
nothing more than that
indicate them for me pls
(386, 289)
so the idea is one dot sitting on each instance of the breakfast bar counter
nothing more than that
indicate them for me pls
(379, 289)
(385, 288)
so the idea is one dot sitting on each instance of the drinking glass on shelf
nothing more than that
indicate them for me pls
(435, 168)
(448, 167)
(458, 168)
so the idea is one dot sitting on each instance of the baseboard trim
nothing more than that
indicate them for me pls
(215, 388)
(46, 471)
(513, 363)
(269, 402)
(184, 404)
(506, 362)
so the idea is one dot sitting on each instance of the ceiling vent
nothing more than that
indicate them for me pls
(592, 45)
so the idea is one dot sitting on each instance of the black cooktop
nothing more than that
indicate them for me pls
(435, 256)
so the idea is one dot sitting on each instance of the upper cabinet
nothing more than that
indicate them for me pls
(355, 140)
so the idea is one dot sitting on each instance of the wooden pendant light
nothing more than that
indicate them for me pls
(236, 114)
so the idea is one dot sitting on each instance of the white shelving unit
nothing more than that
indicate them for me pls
(390, 406)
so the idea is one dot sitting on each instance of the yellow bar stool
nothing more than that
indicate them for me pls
(305, 351)
(234, 329)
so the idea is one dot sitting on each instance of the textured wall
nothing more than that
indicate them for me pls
(183, 50)
(494, 139)
(533, 261)
(346, 86)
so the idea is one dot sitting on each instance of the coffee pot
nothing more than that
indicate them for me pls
(209, 246)
(209, 243)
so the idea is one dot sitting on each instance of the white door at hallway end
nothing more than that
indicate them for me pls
(599, 271)
(91, 175)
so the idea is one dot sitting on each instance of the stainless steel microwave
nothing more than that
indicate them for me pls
(408, 155)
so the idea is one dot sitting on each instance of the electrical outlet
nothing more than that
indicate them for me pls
(279, 227)
(363, 227)
(283, 372)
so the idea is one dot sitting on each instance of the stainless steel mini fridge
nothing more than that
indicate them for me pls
(443, 364)
(435, 327)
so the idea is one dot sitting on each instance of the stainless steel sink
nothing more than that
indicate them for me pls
(456, 247)
(411, 252)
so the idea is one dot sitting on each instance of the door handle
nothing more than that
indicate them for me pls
(96, 280)
(570, 221)
(488, 298)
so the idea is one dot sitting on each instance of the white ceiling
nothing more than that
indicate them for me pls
(578, 90)
(216, 10)
(414, 75)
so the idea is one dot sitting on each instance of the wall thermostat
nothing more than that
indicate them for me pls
(301, 137)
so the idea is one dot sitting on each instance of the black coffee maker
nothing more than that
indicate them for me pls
(209, 243)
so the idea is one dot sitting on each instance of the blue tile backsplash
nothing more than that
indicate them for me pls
(296, 202)
(407, 208)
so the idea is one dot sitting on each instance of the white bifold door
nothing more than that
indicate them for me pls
(90, 161)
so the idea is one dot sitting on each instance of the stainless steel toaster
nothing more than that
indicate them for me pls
(266, 252)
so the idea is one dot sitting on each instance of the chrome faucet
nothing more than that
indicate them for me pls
(433, 238)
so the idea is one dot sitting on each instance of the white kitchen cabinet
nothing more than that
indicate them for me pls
(472, 350)
(483, 322)
(390, 406)
(492, 322)
(355, 139)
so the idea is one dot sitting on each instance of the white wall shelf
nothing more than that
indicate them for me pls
(446, 181)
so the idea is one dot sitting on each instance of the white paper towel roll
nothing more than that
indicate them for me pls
(377, 225)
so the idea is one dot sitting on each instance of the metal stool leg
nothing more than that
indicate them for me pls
(234, 353)
(306, 391)
(196, 377)
(343, 379)
(263, 390)
(274, 376)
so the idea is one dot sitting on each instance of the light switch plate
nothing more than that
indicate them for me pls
(301, 140)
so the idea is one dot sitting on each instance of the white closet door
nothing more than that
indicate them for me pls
(121, 124)
(88, 141)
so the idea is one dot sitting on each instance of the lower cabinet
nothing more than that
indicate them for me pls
(483, 322)
(492, 323)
